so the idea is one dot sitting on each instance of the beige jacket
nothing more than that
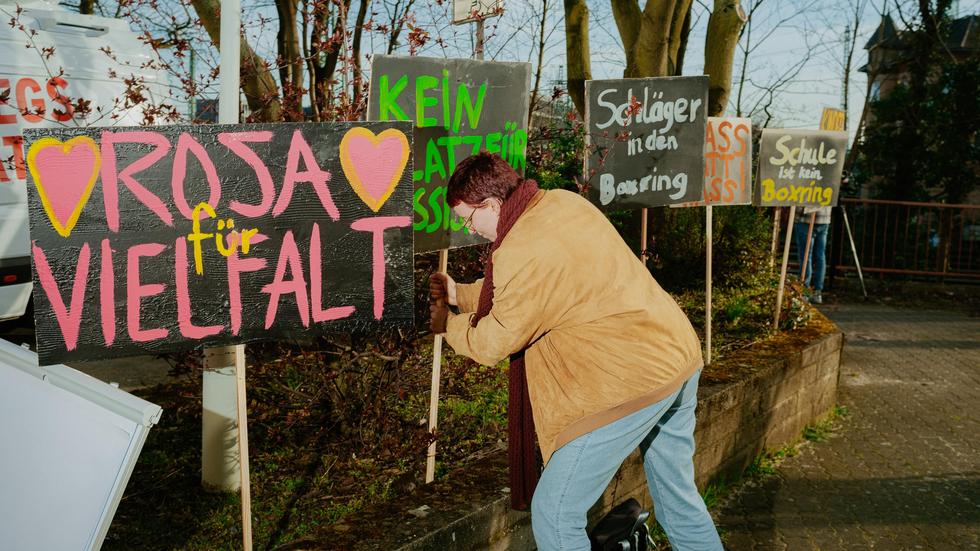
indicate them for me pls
(603, 338)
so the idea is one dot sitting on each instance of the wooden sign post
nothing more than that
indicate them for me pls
(782, 270)
(219, 360)
(144, 244)
(646, 144)
(798, 168)
(460, 107)
(708, 223)
(727, 182)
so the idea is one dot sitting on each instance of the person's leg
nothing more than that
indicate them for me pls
(799, 239)
(819, 255)
(668, 459)
(578, 473)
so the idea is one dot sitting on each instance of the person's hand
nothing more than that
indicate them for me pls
(438, 316)
(442, 287)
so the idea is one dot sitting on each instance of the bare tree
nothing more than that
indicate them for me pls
(651, 36)
(577, 50)
(543, 22)
(724, 27)
(260, 88)
(398, 15)
(356, 50)
(759, 86)
(290, 60)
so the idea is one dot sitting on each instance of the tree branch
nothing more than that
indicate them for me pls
(577, 51)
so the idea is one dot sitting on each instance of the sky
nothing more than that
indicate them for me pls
(800, 38)
(800, 42)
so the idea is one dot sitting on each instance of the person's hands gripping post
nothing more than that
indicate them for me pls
(442, 293)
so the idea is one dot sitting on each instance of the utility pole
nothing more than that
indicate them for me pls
(848, 53)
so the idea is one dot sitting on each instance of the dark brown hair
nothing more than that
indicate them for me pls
(480, 177)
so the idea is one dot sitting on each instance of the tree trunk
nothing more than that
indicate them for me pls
(86, 7)
(257, 81)
(577, 51)
(627, 15)
(310, 68)
(724, 27)
(682, 45)
(334, 45)
(318, 37)
(652, 49)
(397, 24)
(537, 73)
(678, 36)
(290, 60)
(356, 51)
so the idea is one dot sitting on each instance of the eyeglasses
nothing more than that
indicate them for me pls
(469, 220)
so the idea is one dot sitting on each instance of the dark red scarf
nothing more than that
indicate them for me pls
(520, 421)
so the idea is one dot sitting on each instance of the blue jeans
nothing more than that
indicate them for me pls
(579, 472)
(816, 264)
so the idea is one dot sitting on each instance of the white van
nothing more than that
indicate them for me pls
(40, 88)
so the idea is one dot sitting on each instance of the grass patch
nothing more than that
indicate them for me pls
(824, 427)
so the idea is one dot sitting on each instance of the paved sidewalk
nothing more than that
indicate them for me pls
(904, 472)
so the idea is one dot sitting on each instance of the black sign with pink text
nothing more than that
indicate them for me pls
(152, 240)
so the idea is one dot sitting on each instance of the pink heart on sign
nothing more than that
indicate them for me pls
(373, 163)
(64, 174)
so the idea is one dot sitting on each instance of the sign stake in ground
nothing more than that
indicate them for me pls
(727, 182)
(775, 237)
(836, 119)
(798, 168)
(430, 461)
(460, 107)
(708, 223)
(782, 272)
(228, 113)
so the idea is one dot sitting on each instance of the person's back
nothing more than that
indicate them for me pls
(603, 319)
(605, 358)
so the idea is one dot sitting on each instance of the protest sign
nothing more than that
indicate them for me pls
(800, 167)
(482, 106)
(727, 163)
(150, 241)
(431, 210)
(466, 11)
(833, 119)
(646, 139)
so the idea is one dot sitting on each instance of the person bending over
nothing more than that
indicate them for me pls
(601, 357)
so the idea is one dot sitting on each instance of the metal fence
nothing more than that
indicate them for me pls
(901, 237)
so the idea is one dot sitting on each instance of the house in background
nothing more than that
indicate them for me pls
(888, 58)
(889, 64)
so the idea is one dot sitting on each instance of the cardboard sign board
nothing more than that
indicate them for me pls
(800, 167)
(727, 163)
(70, 444)
(481, 105)
(646, 141)
(431, 210)
(466, 11)
(149, 241)
(832, 119)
